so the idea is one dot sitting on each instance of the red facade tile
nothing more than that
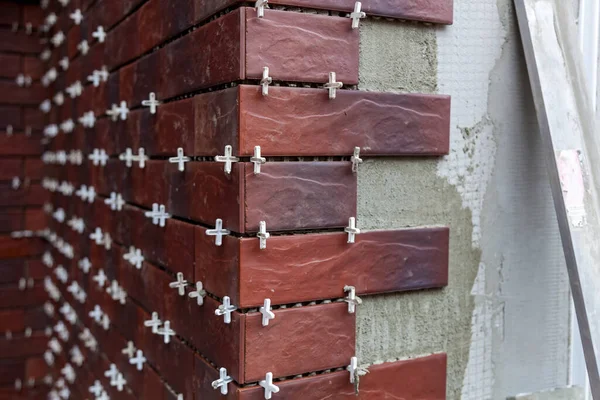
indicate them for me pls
(10, 167)
(10, 65)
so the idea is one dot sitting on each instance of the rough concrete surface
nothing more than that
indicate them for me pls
(504, 317)
(568, 393)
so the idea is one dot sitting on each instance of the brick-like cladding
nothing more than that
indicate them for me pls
(128, 235)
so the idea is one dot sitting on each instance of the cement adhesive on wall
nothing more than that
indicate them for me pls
(503, 320)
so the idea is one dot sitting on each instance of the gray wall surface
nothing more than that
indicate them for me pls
(504, 318)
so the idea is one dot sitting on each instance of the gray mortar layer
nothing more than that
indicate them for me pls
(407, 192)
(521, 248)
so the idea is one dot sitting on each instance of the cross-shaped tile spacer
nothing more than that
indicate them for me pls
(90, 194)
(122, 110)
(113, 290)
(59, 98)
(96, 313)
(115, 201)
(166, 331)
(64, 63)
(45, 106)
(226, 309)
(105, 323)
(55, 346)
(134, 257)
(260, 7)
(51, 19)
(100, 278)
(257, 160)
(61, 157)
(96, 389)
(88, 119)
(266, 312)
(355, 159)
(23, 80)
(103, 73)
(137, 259)
(51, 130)
(356, 15)
(180, 159)
(223, 381)
(85, 335)
(85, 265)
(67, 126)
(179, 284)
(64, 393)
(353, 369)
(97, 236)
(151, 102)
(58, 38)
(138, 360)
(218, 232)
(75, 89)
(158, 215)
(103, 396)
(83, 47)
(76, 356)
(98, 157)
(141, 158)
(94, 78)
(228, 159)
(352, 299)
(198, 294)
(111, 372)
(268, 385)
(68, 372)
(76, 16)
(351, 230)
(47, 259)
(128, 157)
(154, 322)
(49, 358)
(265, 81)
(113, 112)
(263, 235)
(59, 215)
(119, 382)
(129, 350)
(332, 85)
(61, 274)
(99, 34)
(66, 188)
(45, 55)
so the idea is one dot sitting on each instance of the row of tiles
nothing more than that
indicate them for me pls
(283, 123)
(302, 267)
(167, 20)
(192, 376)
(234, 52)
(287, 195)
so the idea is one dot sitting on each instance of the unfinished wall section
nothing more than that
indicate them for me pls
(504, 318)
